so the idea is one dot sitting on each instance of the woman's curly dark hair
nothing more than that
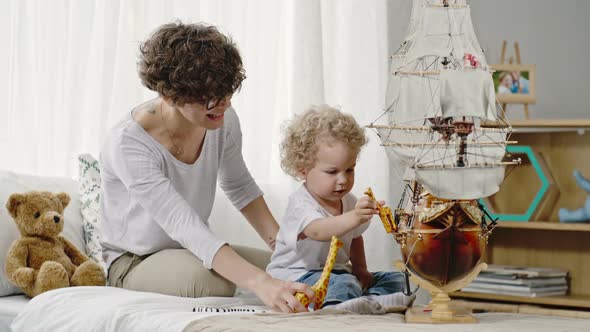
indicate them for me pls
(190, 63)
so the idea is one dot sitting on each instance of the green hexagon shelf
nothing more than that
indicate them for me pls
(538, 197)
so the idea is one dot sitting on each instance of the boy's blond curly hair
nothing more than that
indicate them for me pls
(320, 122)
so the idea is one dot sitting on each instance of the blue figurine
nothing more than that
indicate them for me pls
(582, 214)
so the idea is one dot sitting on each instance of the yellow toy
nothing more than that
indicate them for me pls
(320, 288)
(384, 213)
(42, 260)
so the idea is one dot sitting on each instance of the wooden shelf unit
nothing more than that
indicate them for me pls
(476, 305)
(551, 123)
(572, 301)
(546, 225)
(565, 146)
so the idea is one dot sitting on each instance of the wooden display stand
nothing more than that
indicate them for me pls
(440, 310)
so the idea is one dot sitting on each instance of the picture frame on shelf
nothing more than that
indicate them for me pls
(514, 83)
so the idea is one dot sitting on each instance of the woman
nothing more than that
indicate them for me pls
(159, 169)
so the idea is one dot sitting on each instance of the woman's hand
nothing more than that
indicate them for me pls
(275, 293)
(279, 294)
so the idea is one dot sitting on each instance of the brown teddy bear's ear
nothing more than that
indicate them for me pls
(13, 202)
(64, 198)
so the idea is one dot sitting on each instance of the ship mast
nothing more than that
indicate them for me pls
(439, 93)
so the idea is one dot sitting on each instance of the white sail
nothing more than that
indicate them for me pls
(415, 98)
(439, 91)
(490, 146)
(448, 93)
(467, 93)
(419, 82)
(420, 145)
(482, 147)
(397, 140)
(439, 31)
(461, 182)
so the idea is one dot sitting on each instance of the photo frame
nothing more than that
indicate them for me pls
(514, 83)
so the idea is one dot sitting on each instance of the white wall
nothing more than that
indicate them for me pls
(553, 35)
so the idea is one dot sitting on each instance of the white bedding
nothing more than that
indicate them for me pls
(340, 321)
(10, 306)
(114, 309)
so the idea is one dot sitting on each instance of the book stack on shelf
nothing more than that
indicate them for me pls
(520, 281)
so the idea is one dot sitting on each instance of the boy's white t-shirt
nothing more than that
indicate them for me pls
(293, 257)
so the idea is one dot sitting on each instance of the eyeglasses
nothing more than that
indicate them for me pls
(212, 103)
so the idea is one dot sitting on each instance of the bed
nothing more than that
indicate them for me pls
(10, 306)
(112, 309)
(116, 309)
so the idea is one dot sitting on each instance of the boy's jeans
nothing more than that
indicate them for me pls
(344, 286)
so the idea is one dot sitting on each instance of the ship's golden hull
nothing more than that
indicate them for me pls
(446, 247)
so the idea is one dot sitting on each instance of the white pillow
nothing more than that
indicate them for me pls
(11, 183)
(89, 189)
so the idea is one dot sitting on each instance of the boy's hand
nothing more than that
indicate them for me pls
(365, 208)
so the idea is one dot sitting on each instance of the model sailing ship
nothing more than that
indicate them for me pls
(439, 96)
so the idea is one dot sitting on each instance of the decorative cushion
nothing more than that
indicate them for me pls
(89, 189)
(11, 183)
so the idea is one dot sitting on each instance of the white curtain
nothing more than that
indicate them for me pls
(70, 74)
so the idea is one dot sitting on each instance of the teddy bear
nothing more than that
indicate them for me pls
(42, 260)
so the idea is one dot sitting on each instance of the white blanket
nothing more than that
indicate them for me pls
(340, 321)
(10, 306)
(114, 309)
(107, 309)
